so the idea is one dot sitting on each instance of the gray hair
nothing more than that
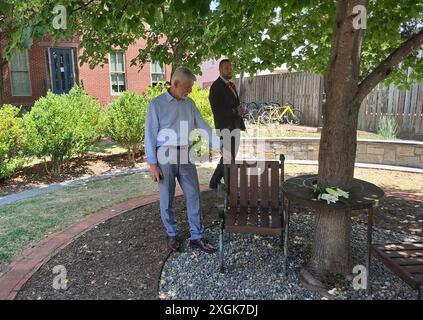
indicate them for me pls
(182, 74)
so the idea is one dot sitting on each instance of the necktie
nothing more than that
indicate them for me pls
(232, 88)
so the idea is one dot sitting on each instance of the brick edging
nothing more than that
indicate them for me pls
(21, 270)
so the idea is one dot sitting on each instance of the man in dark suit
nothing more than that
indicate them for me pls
(227, 112)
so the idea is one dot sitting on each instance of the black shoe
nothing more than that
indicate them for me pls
(200, 244)
(173, 244)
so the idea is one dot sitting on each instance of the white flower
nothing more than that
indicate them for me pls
(343, 193)
(329, 198)
(337, 192)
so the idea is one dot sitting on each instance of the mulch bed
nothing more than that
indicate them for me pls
(123, 257)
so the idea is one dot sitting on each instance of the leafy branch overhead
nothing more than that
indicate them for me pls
(257, 35)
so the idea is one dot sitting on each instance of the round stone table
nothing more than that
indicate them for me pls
(363, 195)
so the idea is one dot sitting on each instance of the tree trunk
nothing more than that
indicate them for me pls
(331, 252)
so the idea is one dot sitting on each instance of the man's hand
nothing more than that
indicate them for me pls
(241, 110)
(155, 172)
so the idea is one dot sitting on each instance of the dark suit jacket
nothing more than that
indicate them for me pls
(224, 104)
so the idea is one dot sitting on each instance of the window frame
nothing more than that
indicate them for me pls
(151, 72)
(29, 76)
(115, 72)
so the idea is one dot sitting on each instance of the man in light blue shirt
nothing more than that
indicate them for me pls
(171, 119)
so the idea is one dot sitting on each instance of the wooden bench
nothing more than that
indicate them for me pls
(252, 201)
(405, 260)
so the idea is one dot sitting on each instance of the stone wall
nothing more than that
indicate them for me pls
(396, 153)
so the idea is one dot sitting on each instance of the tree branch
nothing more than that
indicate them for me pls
(85, 5)
(385, 68)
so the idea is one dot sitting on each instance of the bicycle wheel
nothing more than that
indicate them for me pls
(249, 118)
(275, 115)
(298, 116)
(265, 117)
(293, 119)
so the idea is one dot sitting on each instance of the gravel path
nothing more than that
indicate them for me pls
(253, 268)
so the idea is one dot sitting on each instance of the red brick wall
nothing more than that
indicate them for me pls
(37, 73)
(96, 82)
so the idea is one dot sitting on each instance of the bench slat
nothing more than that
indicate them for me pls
(401, 246)
(243, 186)
(402, 259)
(264, 200)
(233, 192)
(405, 254)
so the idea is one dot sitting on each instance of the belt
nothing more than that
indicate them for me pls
(175, 147)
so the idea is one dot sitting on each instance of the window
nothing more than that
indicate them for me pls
(157, 72)
(117, 72)
(19, 74)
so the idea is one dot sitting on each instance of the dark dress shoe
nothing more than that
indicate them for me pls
(200, 244)
(173, 244)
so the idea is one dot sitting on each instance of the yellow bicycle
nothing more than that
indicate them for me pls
(285, 114)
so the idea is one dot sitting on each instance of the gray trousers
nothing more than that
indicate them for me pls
(186, 174)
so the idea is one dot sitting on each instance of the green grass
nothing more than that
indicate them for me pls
(28, 221)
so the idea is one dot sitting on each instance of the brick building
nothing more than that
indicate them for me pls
(31, 73)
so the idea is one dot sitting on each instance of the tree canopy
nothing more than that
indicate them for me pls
(256, 35)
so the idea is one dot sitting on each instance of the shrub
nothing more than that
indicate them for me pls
(201, 99)
(61, 126)
(11, 140)
(126, 122)
(89, 120)
(387, 128)
(154, 91)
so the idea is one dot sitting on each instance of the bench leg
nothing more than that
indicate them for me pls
(286, 234)
(369, 246)
(221, 235)
(281, 215)
(420, 292)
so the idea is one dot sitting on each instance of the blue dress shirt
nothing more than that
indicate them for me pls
(170, 122)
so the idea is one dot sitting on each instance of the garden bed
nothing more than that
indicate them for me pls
(123, 258)
(93, 164)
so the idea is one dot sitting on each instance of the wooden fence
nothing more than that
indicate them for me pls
(305, 91)
(406, 106)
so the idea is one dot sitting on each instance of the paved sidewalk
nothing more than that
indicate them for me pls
(66, 184)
